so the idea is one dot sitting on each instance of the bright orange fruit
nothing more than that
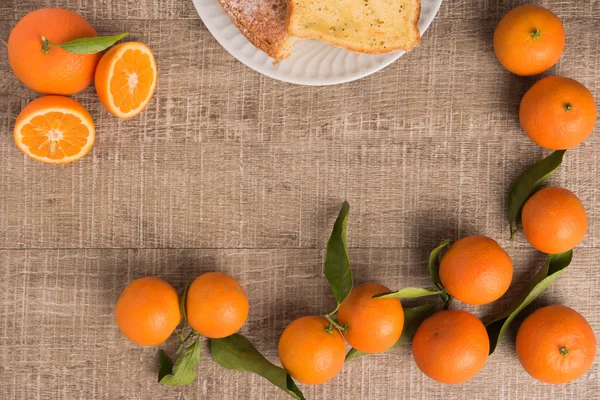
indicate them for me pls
(126, 78)
(148, 312)
(311, 350)
(558, 113)
(216, 305)
(55, 71)
(529, 39)
(476, 270)
(556, 344)
(451, 346)
(554, 220)
(374, 325)
(54, 130)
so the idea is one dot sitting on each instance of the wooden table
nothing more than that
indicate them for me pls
(231, 171)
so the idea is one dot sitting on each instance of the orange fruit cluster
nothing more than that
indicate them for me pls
(148, 310)
(556, 113)
(59, 130)
(313, 351)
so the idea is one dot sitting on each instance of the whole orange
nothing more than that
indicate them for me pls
(311, 350)
(556, 344)
(148, 312)
(476, 270)
(558, 113)
(216, 305)
(374, 325)
(451, 346)
(55, 71)
(554, 220)
(529, 39)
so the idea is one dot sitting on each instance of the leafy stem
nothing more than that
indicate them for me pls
(91, 45)
(182, 341)
(333, 322)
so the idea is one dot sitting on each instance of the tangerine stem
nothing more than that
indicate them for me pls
(338, 326)
(46, 45)
(564, 351)
(535, 34)
(568, 107)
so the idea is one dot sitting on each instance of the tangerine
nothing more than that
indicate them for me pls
(50, 69)
(373, 325)
(554, 220)
(476, 270)
(148, 312)
(451, 346)
(555, 344)
(558, 113)
(529, 39)
(216, 305)
(311, 350)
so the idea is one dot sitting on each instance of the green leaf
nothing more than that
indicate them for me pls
(551, 270)
(184, 370)
(434, 272)
(165, 365)
(337, 262)
(434, 263)
(182, 304)
(235, 352)
(413, 317)
(524, 186)
(409, 293)
(91, 45)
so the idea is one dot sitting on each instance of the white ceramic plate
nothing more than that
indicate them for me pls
(312, 62)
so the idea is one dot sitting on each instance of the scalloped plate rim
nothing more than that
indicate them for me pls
(303, 79)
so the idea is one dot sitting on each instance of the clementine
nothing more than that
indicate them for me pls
(147, 312)
(529, 39)
(451, 346)
(311, 350)
(216, 305)
(556, 344)
(554, 220)
(51, 70)
(54, 130)
(126, 78)
(373, 325)
(476, 270)
(558, 113)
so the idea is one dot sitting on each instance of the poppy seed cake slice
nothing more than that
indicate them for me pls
(363, 26)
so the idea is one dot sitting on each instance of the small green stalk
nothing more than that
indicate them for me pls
(564, 351)
(332, 322)
(535, 34)
(46, 45)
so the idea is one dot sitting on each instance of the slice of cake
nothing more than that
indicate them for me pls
(263, 24)
(363, 26)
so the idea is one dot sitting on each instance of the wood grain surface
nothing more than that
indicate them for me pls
(231, 171)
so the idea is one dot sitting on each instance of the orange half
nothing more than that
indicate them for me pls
(55, 130)
(126, 78)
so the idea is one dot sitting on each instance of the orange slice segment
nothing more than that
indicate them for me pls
(55, 130)
(126, 78)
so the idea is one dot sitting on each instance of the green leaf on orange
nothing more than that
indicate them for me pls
(409, 293)
(526, 184)
(235, 352)
(434, 272)
(337, 262)
(184, 370)
(413, 317)
(552, 269)
(91, 45)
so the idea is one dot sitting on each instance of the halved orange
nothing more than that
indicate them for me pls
(126, 78)
(55, 130)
